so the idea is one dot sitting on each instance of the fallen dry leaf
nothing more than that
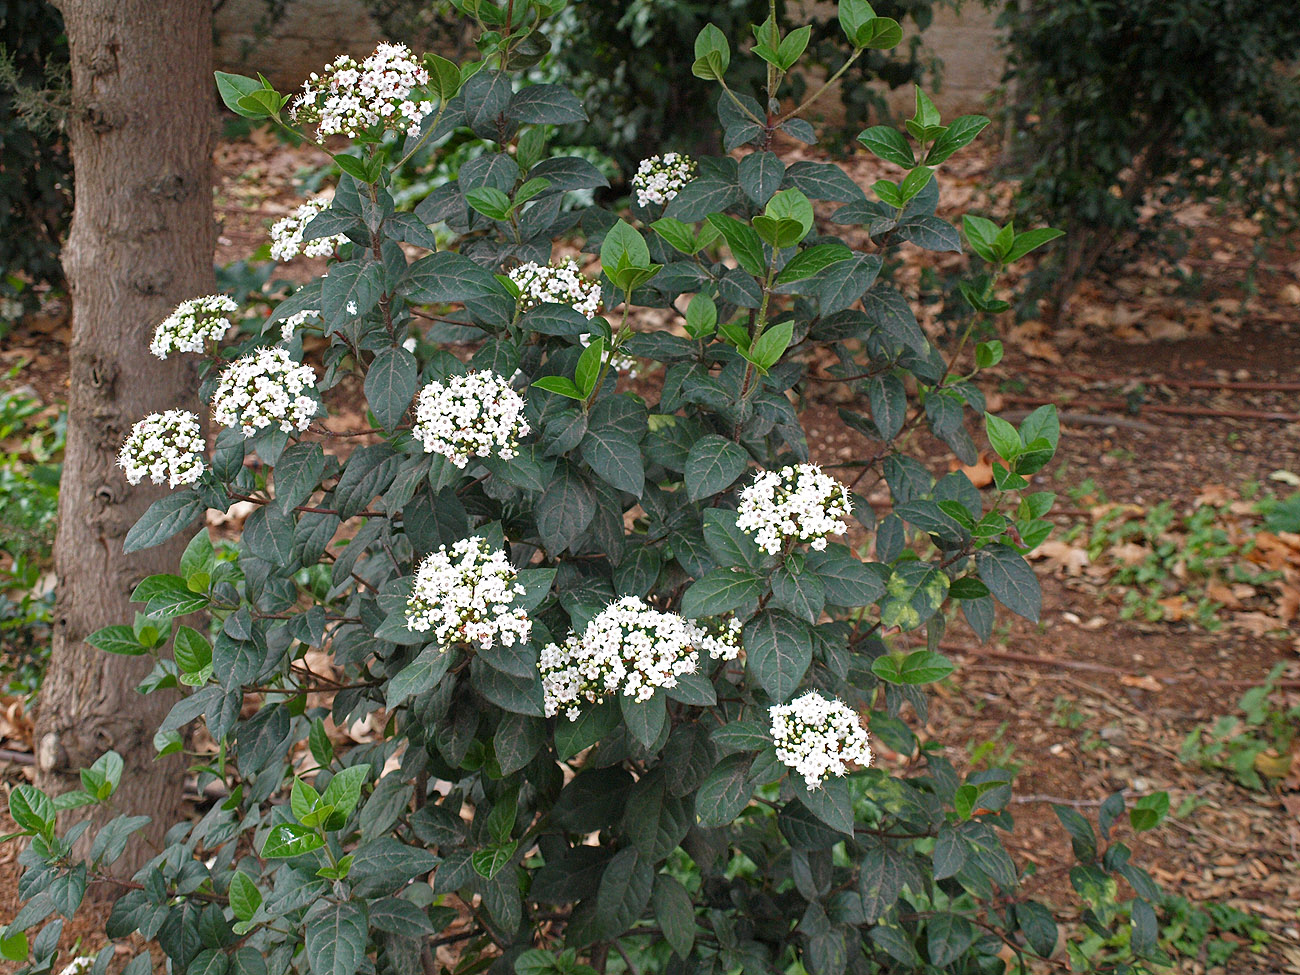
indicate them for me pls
(1062, 557)
(1144, 682)
(981, 472)
(1129, 554)
(1217, 495)
(1175, 608)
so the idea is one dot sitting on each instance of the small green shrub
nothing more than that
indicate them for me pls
(1254, 746)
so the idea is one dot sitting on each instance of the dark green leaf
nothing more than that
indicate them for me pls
(1010, 579)
(447, 276)
(779, 650)
(368, 472)
(830, 802)
(725, 792)
(336, 939)
(624, 892)
(1038, 926)
(298, 474)
(390, 384)
(164, 518)
(721, 591)
(419, 675)
(269, 535)
(675, 914)
(644, 719)
(565, 509)
(947, 937)
(615, 458)
(760, 176)
(545, 105)
(351, 290)
(843, 283)
(400, 917)
(713, 465)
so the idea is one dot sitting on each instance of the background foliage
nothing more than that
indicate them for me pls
(1108, 108)
(36, 179)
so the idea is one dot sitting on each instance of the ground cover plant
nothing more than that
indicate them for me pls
(620, 638)
(31, 447)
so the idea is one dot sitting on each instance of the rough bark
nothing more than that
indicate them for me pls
(141, 241)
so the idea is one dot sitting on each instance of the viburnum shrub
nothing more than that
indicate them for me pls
(624, 641)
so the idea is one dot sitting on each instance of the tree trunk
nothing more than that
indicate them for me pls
(141, 242)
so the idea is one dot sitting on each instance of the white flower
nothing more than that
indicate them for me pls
(164, 447)
(192, 324)
(466, 596)
(265, 388)
(349, 98)
(721, 638)
(818, 736)
(797, 503)
(291, 324)
(629, 648)
(658, 178)
(476, 415)
(79, 965)
(286, 233)
(561, 283)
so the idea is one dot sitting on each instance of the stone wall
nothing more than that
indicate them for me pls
(310, 34)
(968, 43)
(313, 32)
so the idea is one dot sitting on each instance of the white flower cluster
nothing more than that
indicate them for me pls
(475, 415)
(79, 965)
(561, 283)
(628, 648)
(164, 447)
(464, 596)
(286, 233)
(659, 178)
(349, 98)
(721, 639)
(297, 320)
(795, 503)
(818, 736)
(192, 324)
(263, 389)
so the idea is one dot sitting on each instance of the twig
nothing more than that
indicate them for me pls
(1251, 385)
(1042, 661)
(631, 966)
(1092, 803)
(451, 939)
(1163, 408)
(19, 758)
(1089, 419)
